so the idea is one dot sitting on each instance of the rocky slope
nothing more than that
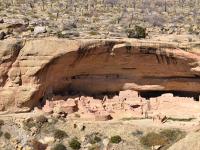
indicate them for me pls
(97, 19)
(33, 69)
(190, 139)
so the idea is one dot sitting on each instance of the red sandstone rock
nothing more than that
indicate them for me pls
(48, 107)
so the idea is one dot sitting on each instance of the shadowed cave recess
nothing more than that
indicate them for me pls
(98, 71)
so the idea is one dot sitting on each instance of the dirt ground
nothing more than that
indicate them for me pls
(182, 115)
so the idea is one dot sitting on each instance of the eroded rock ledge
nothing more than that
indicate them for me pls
(33, 69)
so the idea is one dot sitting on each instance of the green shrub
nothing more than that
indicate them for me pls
(1, 122)
(77, 115)
(47, 128)
(7, 135)
(94, 139)
(41, 119)
(59, 147)
(138, 32)
(28, 124)
(60, 134)
(165, 138)
(190, 30)
(131, 118)
(115, 139)
(75, 144)
(37, 122)
(137, 133)
(152, 139)
(97, 139)
(1, 133)
(171, 134)
(93, 33)
(60, 35)
(181, 119)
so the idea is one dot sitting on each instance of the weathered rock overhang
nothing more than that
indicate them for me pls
(54, 66)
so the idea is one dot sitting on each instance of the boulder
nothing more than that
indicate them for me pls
(39, 30)
(156, 147)
(47, 140)
(106, 143)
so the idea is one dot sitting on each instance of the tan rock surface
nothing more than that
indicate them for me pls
(190, 142)
(33, 69)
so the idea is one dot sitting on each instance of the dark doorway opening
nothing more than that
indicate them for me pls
(152, 94)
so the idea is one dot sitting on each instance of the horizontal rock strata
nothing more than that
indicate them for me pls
(34, 69)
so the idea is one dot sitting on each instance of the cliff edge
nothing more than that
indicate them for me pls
(32, 69)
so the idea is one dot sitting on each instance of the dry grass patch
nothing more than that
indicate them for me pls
(164, 138)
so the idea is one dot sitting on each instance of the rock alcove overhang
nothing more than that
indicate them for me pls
(100, 69)
(92, 67)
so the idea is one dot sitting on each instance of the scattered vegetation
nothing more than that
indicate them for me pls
(172, 135)
(7, 135)
(96, 139)
(37, 122)
(191, 30)
(59, 147)
(181, 119)
(61, 35)
(77, 115)
(131, 118)
(138, 32)
(1, 122)
(29, 123)
(75, 144)
(137, 133)
(60, 134)
(105, 16)
(115, 139)
(48, 127)
(41, 119)
(93, 138)
(94, 147)
(152, 139)
(164, 138)
(37, 145)
(1, 133)
(93, 33)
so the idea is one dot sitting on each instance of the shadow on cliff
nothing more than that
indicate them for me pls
(92, 70)
(13, 52)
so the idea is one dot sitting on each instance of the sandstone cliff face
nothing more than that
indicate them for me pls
(33, 69)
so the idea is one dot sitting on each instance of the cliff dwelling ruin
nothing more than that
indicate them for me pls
(103, 78)
(98, 70)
